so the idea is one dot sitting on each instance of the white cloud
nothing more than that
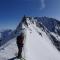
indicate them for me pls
(42, 4)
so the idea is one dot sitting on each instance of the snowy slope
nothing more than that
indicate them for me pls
(53, 25)
(40, 48)
(56, 35)
(10, 50)
(37, 45)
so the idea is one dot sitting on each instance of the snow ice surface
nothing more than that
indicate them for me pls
(36, 47)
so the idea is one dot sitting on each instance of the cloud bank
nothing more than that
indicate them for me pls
(42, 4)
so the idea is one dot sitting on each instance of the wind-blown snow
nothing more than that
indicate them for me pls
(36, 46)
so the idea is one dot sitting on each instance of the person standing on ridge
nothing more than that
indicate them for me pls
(19, 42)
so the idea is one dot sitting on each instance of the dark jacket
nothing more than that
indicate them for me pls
(20, 39)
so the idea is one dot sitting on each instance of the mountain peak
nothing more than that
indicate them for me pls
(49, 23)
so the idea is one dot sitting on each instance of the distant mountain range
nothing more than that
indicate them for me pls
(5, 36)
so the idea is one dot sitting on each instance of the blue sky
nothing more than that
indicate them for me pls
(11, 11)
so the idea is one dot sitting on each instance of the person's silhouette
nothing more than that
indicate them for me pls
(20, 39)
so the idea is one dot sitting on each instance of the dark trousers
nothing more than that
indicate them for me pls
(19, 51)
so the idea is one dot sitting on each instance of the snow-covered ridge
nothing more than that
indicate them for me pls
(40, 23)
(53, 25)
(40, 43)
